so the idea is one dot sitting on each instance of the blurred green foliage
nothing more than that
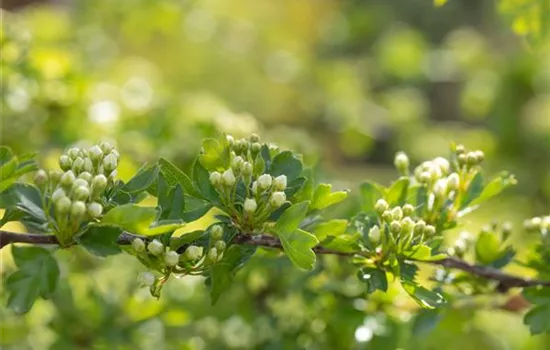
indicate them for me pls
(347, 83)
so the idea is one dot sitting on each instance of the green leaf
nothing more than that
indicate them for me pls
(285, 163)
(292, 217)
(421, 200)
(374, 279)
(215, 156)
(305, 193)
(175, 176)
(5, 154)
(397, 193)
(138, 220)
(487, 248)
(142, 180)
(334, 227)
(424, 297)
(171, 200)
(186, 238)
(195, 208)
(538, 319)
(407, 270)
(474, 190)
(537, 295)
(201, 179)
(347, 243)
(223, 271)
(498, 184)
(370, 193)
(424, 253)
(425, 321)
(38, 275)
(30, 201)
(323, 198)
(100, 240)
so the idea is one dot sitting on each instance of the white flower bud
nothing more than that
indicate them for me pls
(41, 177)
(374, 234)
(81, 193)
(228, 179)
(109, 163)
(250, 205)
(419, 227)
(425, 177)
(86, 176)
(264, 181)
(138, 245)
(397, 213)
(213, 254)
(255, 148)
(429, 230)
(237, 163)
(381, 206)
(230, 139)
(453, 182)
(217, 232)
(401, 162)
(115, 153)
(58, 193)
(95, 153)
(55, 176)
(443, 164)
(255, 188)
(215, 178)
(193, 252)
(280, 183)
(408, 210)
(246, 169)
(220, 246)
(95, 209)
(254, 138)
(78, 209)
(63, 204)
(440, 188)
(67, 179)
(80, 183)
(65, 162)
(88, 165)
(99, 183)
(171, 258)
(155, 247)
(106, 147)
(277, 199)
(78, 165)
(146, 279)
(73, 152)
(407, 225)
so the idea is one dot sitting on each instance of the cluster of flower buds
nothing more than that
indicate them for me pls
(468, 159)
(400, 223)
(537, 224)
(264, 192)
(76, 192)
(464, 242)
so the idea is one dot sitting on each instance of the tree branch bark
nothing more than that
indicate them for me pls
(505, 281)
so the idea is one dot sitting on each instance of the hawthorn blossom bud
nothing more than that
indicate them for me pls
(440, 188)
(462, 159)
(67, 179)
(230, 140)
(374, 234)
(381, 206)
(280, 183)
(401, 162)
(88, 165)
(99, 183)
(228, 178)
(453, 182)
(246, 169)
(110, 163)
(193, 252)
(55, 176)
(155, 247)
(429, 230)
(58, 193)
(255, 148)
(480, 156)
(41, 177)
(387, 216)
(216, 232)
(397, 213)
(81, 193)
(115, 153)
(106, 147)
(95, 209)
(215, 178)
(408, 210)
(220, 246)
(138, 245)
(460, 149)
(80, 183)
(63, 205)
(254, 138)
(425, 177)
(255, 187)
(73, 152)
(95, 153)
(250, 205)
(65, 162)
(212, 254)
(277, 199)
(395, 227)
(419, 227)
(471, 159)
(146, 279)
(86, 176)
(78, 209)
(264, 181)
(443, 164)
(171, 258)
(237, 163)
(407, 225)
(78, 165)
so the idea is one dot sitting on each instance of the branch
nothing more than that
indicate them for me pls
(505, 281)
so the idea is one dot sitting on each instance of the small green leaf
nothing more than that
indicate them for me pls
(38, 275)
(222, 272)
(370, 193)
(6, 154)
(215, 156)
(424, 297)
(100, 240)
(201, 179)
(397, 193)
(334, 227)
(498, 184)
(346, 243)
(538, 319)
(298, 246)
(142, 180)
(285, 163)
(474, 190)
(537, 295)
(30, 201)
(292, 217)
(138, 220)
(487, 248)
(175, 176)
(305, 193)
(323, 198)
(374, 279)
(424, 253)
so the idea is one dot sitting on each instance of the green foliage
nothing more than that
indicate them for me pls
(538, 318)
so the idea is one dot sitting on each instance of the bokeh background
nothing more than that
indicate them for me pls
(346, 83)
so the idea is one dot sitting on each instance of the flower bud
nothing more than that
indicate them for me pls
(193, 252)
(460, 149)
(55, 176)
(138, 245)
(395, 227)
(78, 209)
(471, 159)
(80, 183)
(41, 177)
(95, 153)
(246, 169)
(115, 153)
(146, 279)
(407, 225)
(81, 193)
(95, 209)
(381, 206)
(462, 159)
(480, 156)
(453, 182)
(230, 140)
(443, 164)
(401, 162)
(228, 178)
(67, 179)
(255, 188)
(73, 152)
(280, 183)
(109, 163)
(65, 162)
(408, 210)
(88, 165)
(220, 246)
(419, 227)
(78, 165)
(425, 177)
(99, 183)
(236, 163)
(216, 232)
(58, 193)
(106, 147)
(277, 199)
(440, 188)
(155, 247)
(171, 258)
(254, 138)
(86, 176)
(387, 216)
(215, 178)
(397, 213)
(264, 181)
(63, 205)
(255, 148)
(429, 230)
(212, 255)
(374, 234)
(250, 205)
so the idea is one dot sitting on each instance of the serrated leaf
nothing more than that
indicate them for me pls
(100, 240)
(195, 208)
(30, 202)
(370, 193)
(221, 274)
(38, 275)
(285, 163)
(407, 271)
(487, 248)
(171, 200)
(137, 219)
(397, 193)
(347, 243)
(186, 238)
(374, 279)
(334, 227)
(215, 156)
(498, 184)
(174, 176)
(474, 190)
(538, 319)
(424, 297)
(144, 178)
(323, 197)
(201, 179)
